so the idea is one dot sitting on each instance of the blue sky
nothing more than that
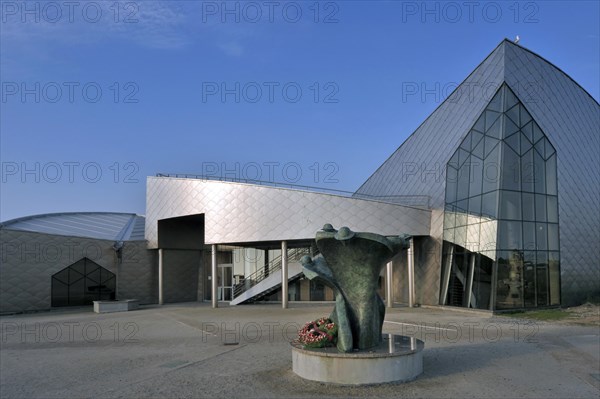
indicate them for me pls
(98, 95)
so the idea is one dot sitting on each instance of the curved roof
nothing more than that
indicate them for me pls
(99, 225)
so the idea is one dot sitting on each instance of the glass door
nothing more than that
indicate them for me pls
(225, 282)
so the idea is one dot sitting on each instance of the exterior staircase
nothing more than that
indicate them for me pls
(268, 279)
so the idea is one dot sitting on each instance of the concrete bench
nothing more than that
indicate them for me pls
(116, 306)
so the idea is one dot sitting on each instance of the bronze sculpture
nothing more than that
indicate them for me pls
(350, 263)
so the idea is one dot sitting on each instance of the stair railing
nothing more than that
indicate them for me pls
(273, 266)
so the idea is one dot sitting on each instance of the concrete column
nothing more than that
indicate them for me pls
(161, 297)
(470, 280)
(494, 282)
(213, 276)
(447, 273)
(248, 270)
(284, 275)
(413, 343)
(411, 273)
(389, 298)
(266, 266)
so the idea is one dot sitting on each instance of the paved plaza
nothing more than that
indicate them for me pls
(192, 350)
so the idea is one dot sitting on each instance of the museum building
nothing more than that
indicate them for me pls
(512, 221)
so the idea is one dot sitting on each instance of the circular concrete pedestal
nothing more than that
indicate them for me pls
(396, 359)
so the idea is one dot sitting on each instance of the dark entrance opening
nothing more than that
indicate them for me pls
(81, 283)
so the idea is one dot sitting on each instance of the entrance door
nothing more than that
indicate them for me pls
(225, 282)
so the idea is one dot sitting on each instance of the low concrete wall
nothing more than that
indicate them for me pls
(397, 359)
(116, 306)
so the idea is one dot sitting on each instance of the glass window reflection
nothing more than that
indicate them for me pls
(504, 198)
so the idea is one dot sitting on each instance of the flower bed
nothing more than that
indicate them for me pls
(318, 334)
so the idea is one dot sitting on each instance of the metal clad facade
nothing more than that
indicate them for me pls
(570, 118)
(236, 212)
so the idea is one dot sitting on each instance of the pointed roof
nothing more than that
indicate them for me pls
(553, 98)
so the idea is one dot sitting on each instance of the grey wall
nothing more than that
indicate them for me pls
(181, 275)
(28, 260)
(426, 278)
(427, 273)
(138, 273)
(400, 278)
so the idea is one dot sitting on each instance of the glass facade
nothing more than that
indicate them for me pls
(82, 283)
(501, 242)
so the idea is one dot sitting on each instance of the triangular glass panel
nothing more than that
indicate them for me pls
(514, 142)
(539, 146)
(475, 138)
(62, 276)
(74, 275)
(480, 124)
(509, 126)
(451, 173)
(478, 150)
(537, 133)
(466, 143)
(107, 277)
(490, 144)
(525, 117)
(496, 103)
(525, 144)
(528, 131)
(79, 267)
(462, 183)
(511, 173)
(513, 114)
(494, 130)
(451, 177)
(94, 276)
(462, 156)
(509, 98)
(454, 160)
(490, 118)
(549, 148)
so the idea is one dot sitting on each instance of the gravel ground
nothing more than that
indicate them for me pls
(191, 350)
(586, 315)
